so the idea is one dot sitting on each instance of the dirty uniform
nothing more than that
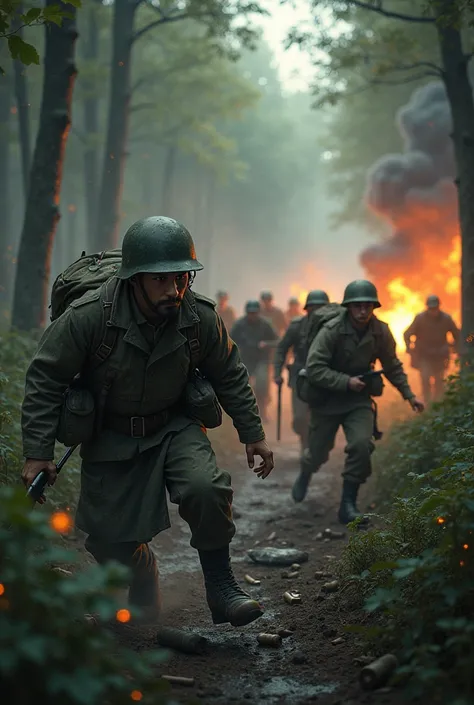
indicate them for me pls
(228, 316)
(337, 353)
(295, 340)
(248, 334)
(147, 443)
(431, 353)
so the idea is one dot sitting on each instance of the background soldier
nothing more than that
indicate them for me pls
(256, 338)
(430, 353)
(293, 311)
(295, 340)
(272, 313)
(149, 440)
(225, 311)
(345, 348)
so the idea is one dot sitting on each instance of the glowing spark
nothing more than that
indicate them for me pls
(2, 589)
(440, 520)
(136, 695)
(123, 616)
(61, 522)
(466, 546)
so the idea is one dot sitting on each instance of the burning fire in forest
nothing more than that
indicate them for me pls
(414, 192)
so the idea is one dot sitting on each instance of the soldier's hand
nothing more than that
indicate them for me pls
(32, 468)
(278, 380)
(416, 405)
(262, 450)
(355, 384)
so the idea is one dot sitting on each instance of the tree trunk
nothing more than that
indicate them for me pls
(91, 128)
(108, 216)
(460, 97)
(5, 219)
(21, 94)
(42, 211)
(168, 176)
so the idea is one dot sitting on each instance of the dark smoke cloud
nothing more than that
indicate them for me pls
(414, 191)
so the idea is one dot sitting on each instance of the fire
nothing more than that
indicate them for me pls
(407, 304)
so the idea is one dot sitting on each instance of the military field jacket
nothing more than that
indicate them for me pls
(337, 353)
(151, 368)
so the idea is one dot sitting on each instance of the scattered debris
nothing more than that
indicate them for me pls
(269, 639)
(179, 640)
(320, 574)
(339, 640)
(292, 597)
(378, 672)
(319, 536)
(330, 558)
(285, 633)
(330, 534)
(62, 571)
(295, 566)
(251, 581)
(333, 586)
(179, 680)
(91, 619)
(293, 574)
(272, 536)
(270, 555)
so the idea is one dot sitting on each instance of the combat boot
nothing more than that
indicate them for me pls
(144, 590)
(348, 510)
(226, 599)
(300, 487)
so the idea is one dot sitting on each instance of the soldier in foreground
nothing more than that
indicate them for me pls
(431, 351)
(272, 313)
(148, 441)
(225, 311)
(256, 339)
(293, 311)
(345, 348)
(295, 340)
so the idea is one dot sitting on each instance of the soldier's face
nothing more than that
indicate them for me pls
(433, 311)
(253, 317)
(361, 312)
(165, 291)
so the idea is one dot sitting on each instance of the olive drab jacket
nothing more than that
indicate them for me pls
(294, 339)
(338, 352)
(151, 368)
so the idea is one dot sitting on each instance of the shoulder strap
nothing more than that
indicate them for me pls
(109, 336)
(194, 343)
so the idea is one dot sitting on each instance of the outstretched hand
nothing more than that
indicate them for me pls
(261, 450)
(417, 405)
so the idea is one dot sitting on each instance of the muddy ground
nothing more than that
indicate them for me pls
(309, 666)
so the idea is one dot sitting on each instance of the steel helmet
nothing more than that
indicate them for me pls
(317, 297)
(266, 296)
(157, 245)
(361, 291)
(433, 301)
(252, 307)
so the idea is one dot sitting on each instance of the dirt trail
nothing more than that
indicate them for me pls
(308, 667)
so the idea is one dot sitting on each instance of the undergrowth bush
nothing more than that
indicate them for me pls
(415, 574)
(48, 652)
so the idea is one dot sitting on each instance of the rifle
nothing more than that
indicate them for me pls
(279, 413)
(36, 489)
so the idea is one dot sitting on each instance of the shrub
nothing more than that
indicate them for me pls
(48, 652)
(415, 573)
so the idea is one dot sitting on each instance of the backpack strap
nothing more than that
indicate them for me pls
(109, 336)
(194, 343)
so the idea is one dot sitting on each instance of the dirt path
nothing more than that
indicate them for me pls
(308, 667)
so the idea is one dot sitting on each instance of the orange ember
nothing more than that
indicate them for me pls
(61, 522)
(2, 589)
(123, 616)
(136, 695)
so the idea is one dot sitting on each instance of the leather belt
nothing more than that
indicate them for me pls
(136, 426)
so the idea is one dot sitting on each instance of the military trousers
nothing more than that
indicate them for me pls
(123, 503)
(261, 385)
(432, 368)
(301, 415)
(358, 427)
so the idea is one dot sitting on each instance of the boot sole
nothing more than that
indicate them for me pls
(238, 620)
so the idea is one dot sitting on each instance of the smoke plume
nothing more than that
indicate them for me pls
(415, 193)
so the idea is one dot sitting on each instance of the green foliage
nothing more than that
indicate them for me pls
(416, 572)
(48, 651)
(12, 22)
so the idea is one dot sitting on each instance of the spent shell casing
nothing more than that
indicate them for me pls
(251, 581)
(179, 680)
(269, 639)
(378, 672)
(285, 633)
(293, 574)
(292, 597)
(338, 640)
(186, 642)
(332, 586)
(295, 566)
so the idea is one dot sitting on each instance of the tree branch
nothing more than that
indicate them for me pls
(431, 69)
(389, 13)
(164, 19)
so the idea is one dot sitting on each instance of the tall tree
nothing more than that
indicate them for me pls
(42, 210)
(5, 224)
(218, 16)
(446, 18)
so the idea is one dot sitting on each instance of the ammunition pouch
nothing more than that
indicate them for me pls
(201, 401)
(309, 393)
(375, 386)
(78, 415)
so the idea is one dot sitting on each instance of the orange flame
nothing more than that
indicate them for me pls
(123, 616)
(61, 522)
